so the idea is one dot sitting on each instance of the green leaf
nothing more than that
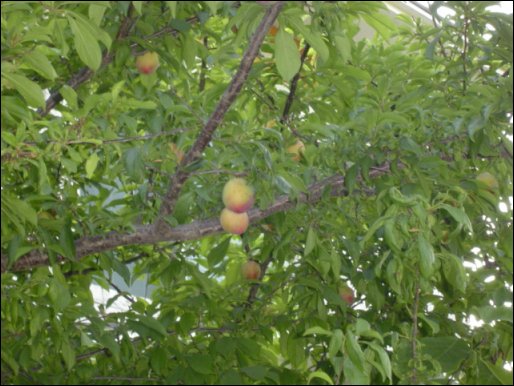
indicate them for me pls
(218, 252)
(68, 354)
(459, 215)
(201, 363)
(16, 209)
(70, 96)
(93, 29)
(454, 271)
(86, 45)
(448, 351)
(357, 73)
(354, 375)
(296, 351)
(427, 258)
(384, 360)
(134, 162)
(336, 343)
(96, 12)
(91, 164)
(59, 294)
(310, 242)
(314, 38)
(321, 375)
(39, 62)
(392, 236)
(11, 362)
(230, 377)
(66, 239)
(350, 177)
(498, 372)
(354, 351)
(489, 313)
(344, 47)
(172, 5)
(153, 324)
(29, 90)
(432, 324)
(45, 187)
(287, 57)
(317, 330)
(213, 6)
(257, 373)
(294, 181)
(159, 360)
(371, 231)
(107, 341)
(138, 6)
(380, 23)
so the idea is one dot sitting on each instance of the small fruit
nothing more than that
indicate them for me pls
(296, 150)
(346, 294)
(147, 63)
(489, 180)
(232, 222)
(237, 195)
(251, 270)
(273, 30)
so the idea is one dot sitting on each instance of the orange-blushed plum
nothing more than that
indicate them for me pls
(235, 223)
(237, 195)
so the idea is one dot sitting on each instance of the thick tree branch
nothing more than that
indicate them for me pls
(212, 124)
(89, 245)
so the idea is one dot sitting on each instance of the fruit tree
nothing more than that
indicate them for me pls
(305, 202)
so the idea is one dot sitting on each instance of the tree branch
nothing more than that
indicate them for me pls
(292, 88)
(89, 245)
(86, 73)
(180, 177)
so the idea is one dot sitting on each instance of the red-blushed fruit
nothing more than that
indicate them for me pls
(237, 195)
(251, 270)
(296, 150)
(147, 63)
(232, 222)
(346, 293)
(488, 180)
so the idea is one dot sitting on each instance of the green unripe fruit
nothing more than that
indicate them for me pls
(488, 180)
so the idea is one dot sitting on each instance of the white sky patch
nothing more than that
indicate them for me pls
(101, 296)
(503, 7)
(490, 279)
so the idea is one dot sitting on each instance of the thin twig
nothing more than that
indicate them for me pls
(120, 291)
(86, 73)
(292, 87)
(203, 70)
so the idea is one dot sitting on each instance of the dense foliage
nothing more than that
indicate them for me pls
(402, 195)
